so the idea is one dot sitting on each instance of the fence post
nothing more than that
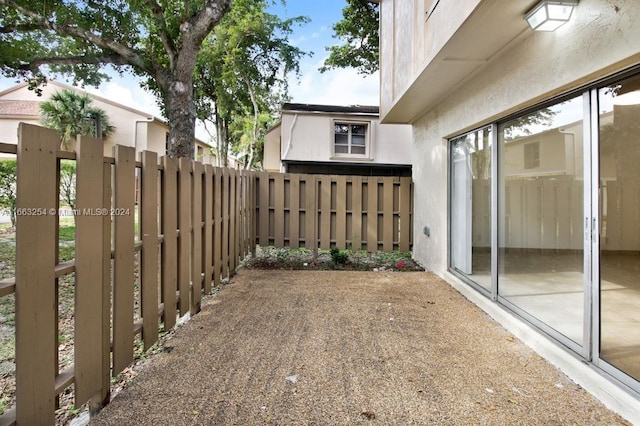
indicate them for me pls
(35, 262)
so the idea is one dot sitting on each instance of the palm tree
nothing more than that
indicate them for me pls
(70, 113)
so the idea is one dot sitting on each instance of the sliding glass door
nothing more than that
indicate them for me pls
(541, 249)
(471, 206)
(619, 210)
(545, 219)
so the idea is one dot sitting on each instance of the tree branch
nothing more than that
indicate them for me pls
(202, 23)
(129, 56)
(75, 60)
(169, 46)
(18, 28)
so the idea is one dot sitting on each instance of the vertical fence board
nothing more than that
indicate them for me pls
(87, 346)
(217, 221)
(278, 233)
(294, 211)
(252, 213)
(103, 398)
(341, 212)
(207, 256)
(149, 257)
(356, 213)
(35, 315)
(372, 214)
(196, 238)
(242, 228)
(123, 261)
(311, 238)
(184, 224)
(263, 195)
(225, 223)
(387, 211)
(325, 212)
(233, 211)
(170, 242)
(405, 210)
(238, 220)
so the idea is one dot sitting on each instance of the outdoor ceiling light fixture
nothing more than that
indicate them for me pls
(548, 15)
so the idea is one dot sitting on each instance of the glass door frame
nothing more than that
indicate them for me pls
(590, 349)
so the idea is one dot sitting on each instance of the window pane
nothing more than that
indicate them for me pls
(541, 258)
(359, 150)
(342, 139)
(341, 149)
(471, 206)
(341, 128)
(620, 226)
(357, 140)
(358, 129)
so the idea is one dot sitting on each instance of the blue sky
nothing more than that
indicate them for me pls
(338, 87)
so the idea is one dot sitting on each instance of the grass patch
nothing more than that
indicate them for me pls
(67, 233)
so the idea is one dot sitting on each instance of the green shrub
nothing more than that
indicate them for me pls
(339, 257)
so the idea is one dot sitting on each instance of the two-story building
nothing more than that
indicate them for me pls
(526, 145)
(132, 127)
(340, 140)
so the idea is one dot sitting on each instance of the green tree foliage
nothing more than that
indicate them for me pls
(241, 76)
(8, 183)
(68, 183)
(358, 32)
(70, 113)
(157, 39)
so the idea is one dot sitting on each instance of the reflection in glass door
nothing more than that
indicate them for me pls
(619, 121)
(541, 247)
(471, 206)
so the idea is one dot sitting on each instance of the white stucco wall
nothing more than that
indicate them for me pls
(309, 137)
(271, 157)
(596, 43)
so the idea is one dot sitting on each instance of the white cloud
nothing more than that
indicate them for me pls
(336, 87)
(132, 96)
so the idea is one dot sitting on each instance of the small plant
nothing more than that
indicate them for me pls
(339, 257)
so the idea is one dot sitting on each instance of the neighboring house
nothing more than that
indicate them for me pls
(525, 153)
(133, 128)
(329, 139)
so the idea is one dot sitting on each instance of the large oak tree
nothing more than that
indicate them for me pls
(159, 39)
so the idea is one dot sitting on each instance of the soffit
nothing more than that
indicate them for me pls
(493, 27)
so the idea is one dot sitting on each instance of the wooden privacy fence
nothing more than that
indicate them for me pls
(195, 224)
(191, 229)
(355, 212)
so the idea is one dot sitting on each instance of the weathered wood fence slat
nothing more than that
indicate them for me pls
(192, 227)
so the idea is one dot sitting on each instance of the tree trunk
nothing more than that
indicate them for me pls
(181, 113)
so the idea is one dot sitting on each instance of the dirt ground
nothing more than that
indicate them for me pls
(342, 347)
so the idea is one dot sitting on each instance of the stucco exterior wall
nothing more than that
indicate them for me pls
(9, 128)
(271, 159)
(309, 137)
(599, 41)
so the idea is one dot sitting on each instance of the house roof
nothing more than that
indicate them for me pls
(353, 109)
(16, 108)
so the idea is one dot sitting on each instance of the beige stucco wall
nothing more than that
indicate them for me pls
(597, 42)
(309, 137)
(271, 157)
(9, 128)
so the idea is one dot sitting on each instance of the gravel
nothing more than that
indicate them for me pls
(342, 347)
